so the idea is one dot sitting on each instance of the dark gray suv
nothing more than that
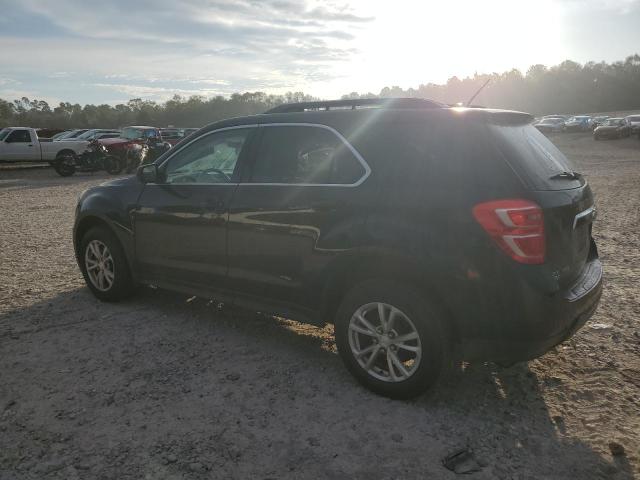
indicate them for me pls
(422, 232)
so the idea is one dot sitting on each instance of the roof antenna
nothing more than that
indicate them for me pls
(478, 91)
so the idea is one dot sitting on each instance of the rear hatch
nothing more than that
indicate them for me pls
(563, 194)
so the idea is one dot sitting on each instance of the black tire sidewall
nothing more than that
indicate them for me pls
(63, 169)
(424, 317)
(122, 284)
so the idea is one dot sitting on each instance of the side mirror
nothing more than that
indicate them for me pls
(148, 173)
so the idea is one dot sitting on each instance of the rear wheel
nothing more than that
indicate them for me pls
(104, 265)
(65, 164)
(390, 338)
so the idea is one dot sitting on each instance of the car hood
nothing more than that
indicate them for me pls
(606, 128)
(124, 181)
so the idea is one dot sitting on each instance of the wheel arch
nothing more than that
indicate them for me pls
(389, 266)
(65, 151)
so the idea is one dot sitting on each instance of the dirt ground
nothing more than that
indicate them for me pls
(160, 387)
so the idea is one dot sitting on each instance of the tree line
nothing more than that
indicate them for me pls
(568, 88)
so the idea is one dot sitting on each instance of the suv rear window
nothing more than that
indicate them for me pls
(534, 157)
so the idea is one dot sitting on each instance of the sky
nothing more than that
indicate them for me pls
(86, 51)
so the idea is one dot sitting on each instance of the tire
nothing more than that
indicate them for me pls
(112, 164)
(424, 321)
(121, 285)
(65, 165)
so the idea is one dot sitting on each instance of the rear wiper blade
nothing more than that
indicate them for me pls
(567, 175)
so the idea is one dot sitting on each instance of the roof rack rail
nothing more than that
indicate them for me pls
(353, 104)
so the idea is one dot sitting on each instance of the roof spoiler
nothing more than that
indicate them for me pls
(353, 104)
(507, 117)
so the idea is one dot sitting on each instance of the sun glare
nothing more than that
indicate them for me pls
(419, 42)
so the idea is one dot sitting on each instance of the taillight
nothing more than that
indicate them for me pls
(516, 225)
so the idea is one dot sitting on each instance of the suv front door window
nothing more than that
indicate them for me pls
(210, 159)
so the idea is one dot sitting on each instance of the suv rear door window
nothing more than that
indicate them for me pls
(298, 154)
(534, 156)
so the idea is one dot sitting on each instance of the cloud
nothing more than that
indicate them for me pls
(213, 45)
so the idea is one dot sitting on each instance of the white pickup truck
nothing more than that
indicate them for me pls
(21, 144)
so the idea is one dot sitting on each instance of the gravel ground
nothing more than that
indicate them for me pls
(164, 387)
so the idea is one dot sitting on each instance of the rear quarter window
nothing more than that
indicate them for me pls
(533, 156)
(437, 159)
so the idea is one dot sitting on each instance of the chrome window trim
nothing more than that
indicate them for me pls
(365, 165)
(356, 154)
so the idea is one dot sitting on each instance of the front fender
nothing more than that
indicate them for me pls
(111, 205)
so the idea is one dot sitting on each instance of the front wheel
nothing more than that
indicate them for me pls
(390, 339)
(104, 265)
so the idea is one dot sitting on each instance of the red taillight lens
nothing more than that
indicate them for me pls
(516, 225)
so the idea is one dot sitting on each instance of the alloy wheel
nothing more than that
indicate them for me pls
(385, 342)
(99, 265)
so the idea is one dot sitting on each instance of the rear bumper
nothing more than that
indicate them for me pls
(544, 322)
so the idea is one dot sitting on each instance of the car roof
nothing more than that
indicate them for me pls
(343, 117)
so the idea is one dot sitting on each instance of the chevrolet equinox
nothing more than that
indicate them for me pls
(422, 232)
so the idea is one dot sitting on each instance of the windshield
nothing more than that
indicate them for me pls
(86, 135)
(3, 133)
(76, 133)
(634, 118)
(132, 133)
(614, 122)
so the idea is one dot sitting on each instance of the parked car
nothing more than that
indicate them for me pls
(130, 136)
(99, 136)
(550, 125)
(21, 144)
(172, 135)
(612, 128)
(473, 243)
(48, 132)
(580, 123)
(599, 120)
(97, 132)
(634, 123)
(71, 134)
(58, 135)
(563, 117)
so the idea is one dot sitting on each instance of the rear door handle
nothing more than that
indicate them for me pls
(215, 203)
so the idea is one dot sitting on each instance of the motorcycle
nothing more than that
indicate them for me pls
(95, 158)
(140, 154)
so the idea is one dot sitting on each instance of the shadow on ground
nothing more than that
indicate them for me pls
(161, 387)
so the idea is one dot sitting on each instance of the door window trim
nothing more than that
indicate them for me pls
(356, 154)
